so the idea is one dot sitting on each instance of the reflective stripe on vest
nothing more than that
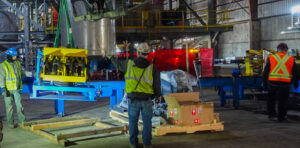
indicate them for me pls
(19, 68)
(281, 67)
(132, 76)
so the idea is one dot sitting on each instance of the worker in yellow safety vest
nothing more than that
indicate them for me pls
(142, 85)
(11, 84)
(279, 72)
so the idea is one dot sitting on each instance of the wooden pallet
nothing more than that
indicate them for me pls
(167, 129)
(40, 127)
(121, 117)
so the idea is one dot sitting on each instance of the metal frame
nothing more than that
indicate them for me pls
(236, 85)
(22, 14)
(296, 90)
(88, 91)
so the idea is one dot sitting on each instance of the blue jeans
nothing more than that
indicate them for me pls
(134, 109)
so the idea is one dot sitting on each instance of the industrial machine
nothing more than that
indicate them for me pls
(245, 73)
(62, 72)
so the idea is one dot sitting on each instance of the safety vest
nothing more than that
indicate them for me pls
(132, 76)
(10, 77)
(281, 67)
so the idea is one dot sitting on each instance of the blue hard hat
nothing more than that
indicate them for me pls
(12, 52)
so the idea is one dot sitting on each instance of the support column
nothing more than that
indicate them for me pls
(254, 34)
(212, 19)
(170, 4)
(254, 25)
(26, 36)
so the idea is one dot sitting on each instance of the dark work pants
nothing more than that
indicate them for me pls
(135, 107)
(278, 94)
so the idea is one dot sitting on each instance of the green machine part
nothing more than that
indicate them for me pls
(64, 9)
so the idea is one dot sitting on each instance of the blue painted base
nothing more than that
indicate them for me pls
(296, 90)
(233, 85)
(84, 92)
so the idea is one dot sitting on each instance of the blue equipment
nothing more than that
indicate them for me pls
(88, 91)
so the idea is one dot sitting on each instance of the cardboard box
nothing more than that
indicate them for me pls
(186, 109)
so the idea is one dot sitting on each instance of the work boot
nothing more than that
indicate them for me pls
(1, 134)
(133, 146)
(12, 126)
(284, 120)
(21, 124)
(147, 146)
(272, 118)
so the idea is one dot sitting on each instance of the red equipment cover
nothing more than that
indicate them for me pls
(171, 59)
(206, 62)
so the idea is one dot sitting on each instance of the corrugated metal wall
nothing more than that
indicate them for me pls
(239, 9)
(274, 17)
(269, 8)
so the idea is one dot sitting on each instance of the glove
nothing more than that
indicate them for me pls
(4, 92)
(110, 57)
(157, 100)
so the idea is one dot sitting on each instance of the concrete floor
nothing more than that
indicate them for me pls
(242, 129)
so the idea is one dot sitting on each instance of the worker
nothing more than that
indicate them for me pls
(279, 72)
(11, 84)
(142, 84)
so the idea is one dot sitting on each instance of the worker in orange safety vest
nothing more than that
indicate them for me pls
(279, 72)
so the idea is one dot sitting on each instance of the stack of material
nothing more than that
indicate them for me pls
(176, 81)
(187, 114)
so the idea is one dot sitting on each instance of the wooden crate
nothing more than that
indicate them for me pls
(40, 128)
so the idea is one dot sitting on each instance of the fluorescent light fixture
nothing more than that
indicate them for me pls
(296, 9)
(282, 32)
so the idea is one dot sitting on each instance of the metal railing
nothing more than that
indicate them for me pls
(49, 24)
(171, 19)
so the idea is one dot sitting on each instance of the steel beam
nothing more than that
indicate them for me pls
(253, 8)
(194, 13)
(26, 35)
(238, 2)
(6, 2)
(21, 32)
(11, 43)
(212, 12)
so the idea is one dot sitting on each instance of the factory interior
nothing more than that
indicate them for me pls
(149, 73)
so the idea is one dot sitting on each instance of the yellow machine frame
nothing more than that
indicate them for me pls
(254, 59)
(63, 53)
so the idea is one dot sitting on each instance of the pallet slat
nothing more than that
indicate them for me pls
(63, 124)
(163, 130)
(59, 119)
(38, 126)
(102, 125)
(93, 132)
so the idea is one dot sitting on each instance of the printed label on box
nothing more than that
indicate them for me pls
(197, 121)
(200, 110)
(193, 112)
(171, 113)
(175, 111)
